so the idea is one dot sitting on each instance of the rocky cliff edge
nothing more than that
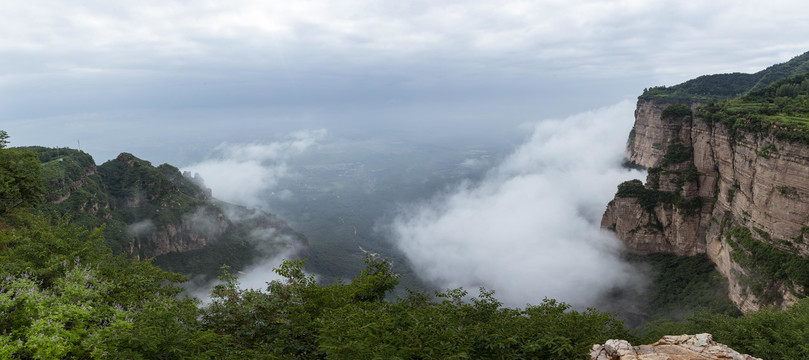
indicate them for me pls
(741, 197)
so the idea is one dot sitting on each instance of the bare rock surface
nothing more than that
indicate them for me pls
(681, 347)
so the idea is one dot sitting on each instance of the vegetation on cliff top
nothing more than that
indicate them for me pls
(772, 101)
(726, 86)
(782, 109)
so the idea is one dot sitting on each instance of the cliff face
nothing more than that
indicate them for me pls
(650, 136)
(190, 232)
(741, 197)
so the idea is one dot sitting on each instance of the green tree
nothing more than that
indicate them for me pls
(770, 333)
(61, 321)
(64, 295)
(299, 319)
(20, 178)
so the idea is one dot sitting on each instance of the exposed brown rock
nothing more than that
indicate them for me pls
(651, 134)
(682, 347)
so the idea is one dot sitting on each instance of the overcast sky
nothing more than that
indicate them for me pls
(148, 75)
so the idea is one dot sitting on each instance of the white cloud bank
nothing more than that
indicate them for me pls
(530, 228)
(240, 173)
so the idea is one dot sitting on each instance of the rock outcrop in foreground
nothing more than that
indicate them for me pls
(682, 347)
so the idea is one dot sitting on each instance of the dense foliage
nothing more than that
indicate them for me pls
(650, 197)
(768, 334)
(98, 305)
(719, 86)
(679, 286)
(64, 295)
(302, 320)
(677, 153)
(676, 112)
(20, 179)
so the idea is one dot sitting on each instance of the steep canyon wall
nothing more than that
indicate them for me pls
(741, 197)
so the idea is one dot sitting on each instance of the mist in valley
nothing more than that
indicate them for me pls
(522, 220)
(530, 227)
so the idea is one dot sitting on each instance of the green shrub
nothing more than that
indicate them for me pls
(676, 112)
(677, 153)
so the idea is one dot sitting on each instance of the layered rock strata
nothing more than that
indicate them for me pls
(712, 189)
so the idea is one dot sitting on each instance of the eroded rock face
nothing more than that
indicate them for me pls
(729, 180)
(682, 347)
(651, 134)
(194, 231)
(676, 232)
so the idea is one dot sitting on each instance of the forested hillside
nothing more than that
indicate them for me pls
(158, 213)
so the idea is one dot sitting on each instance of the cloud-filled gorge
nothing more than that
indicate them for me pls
(530, 228)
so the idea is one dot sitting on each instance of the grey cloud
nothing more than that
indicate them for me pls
(142, 228)
(205, 222)
(586, 36)
(240, 173)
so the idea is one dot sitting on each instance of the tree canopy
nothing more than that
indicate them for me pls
(20, 177)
